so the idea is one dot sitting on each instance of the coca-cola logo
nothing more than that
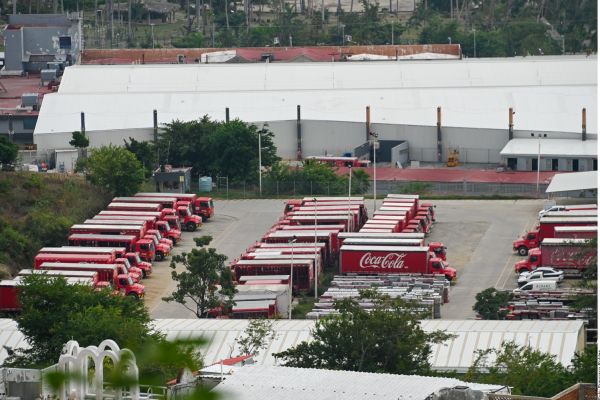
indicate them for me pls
(388, 261)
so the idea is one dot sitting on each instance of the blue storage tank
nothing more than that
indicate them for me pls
(205, 184)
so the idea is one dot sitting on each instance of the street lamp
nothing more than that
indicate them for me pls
(349, 192)
(292, 241)
(316, 269)
(474, 43)
(152, 29)
(375, 148)
(260, 159)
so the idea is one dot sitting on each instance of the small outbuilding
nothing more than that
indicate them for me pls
(576, 184)
(554, 154)
(173, 180)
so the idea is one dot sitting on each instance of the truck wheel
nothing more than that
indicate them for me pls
(521, 270)
(133, 296)
(204, 218)
(173, 240)
(191, 227)
(160, 256)
(523, 251)
(144, 274)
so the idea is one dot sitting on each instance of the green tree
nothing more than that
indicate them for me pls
(528, 371)
(585, 365)
(387, 338)
(490, 302)
(53, 312)
(256, 336)
(116, 169)
(8, 151)
(145, 152)
(79, 140)
(197, 286)
(192, 40)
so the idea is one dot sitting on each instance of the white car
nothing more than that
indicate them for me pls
(541, 274)
(553, 208)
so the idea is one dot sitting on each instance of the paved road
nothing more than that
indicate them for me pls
(478, 233)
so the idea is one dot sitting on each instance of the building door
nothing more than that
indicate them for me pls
(575, 165)
(555, 164)
(534, 164)
(595, 164)
(511, 163)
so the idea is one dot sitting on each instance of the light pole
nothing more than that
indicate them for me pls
(474, 43)
(152, 29)
(539, 159)
(316, 269)
(375, 147)
(292, 241)
(260, 159)
(349, 192)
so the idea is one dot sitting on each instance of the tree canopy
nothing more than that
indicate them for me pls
(491, 303)
(8, 151)
(387, 338)
(197, 286)
(116, 169)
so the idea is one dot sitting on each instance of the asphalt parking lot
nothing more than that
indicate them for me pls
(478, 234)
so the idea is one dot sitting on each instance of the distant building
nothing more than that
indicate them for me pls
(553, 154)
(173, 180)
(32, 41)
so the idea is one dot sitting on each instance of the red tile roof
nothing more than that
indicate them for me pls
(17, 86)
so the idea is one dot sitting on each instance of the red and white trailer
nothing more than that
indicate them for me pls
(392, 260)
(303, 274)
(576, 232)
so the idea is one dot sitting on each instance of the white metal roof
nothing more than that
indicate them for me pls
(259, 382)
(550, 148)
(547, 93)
(573, 181)
(559, 338)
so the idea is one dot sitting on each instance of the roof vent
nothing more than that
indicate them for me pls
(29, 100)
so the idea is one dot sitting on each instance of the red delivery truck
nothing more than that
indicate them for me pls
(136, 207)
(91, 275)
(340, 214)
(115, 274)
(322, 220)
(576, 232)
(9, 292)
(545, 229)
(112, 251)
(202, 206)
(385, 235)
(147, 227)
(392, 260)
(570, 214)
(77, 258)
(300, 254)
(158, 214)
(144, 247)
(303, 278)
(379, 224)
(570, 255)
(307, 236)
(437, 248)
(183, 211)
(261, 246)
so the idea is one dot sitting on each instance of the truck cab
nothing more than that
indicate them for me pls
(161, 251)
(125, 284)
(145, 248)
(438, 249)
(189, 220)
(161, 239)
(532, 261)
(439, 266)
(204, 207)
(166, 229)
(528, 241)
(136, 261)
(126, 268)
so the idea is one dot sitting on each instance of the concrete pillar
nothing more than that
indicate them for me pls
(83, 123)
(226, 114)
(583, 124)
(510, 123)
(368, 123)
(155, 125)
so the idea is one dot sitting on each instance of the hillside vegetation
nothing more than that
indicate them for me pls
(37, 210)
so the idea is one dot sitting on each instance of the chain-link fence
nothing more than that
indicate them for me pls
(222, 187)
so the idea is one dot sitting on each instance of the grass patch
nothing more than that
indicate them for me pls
(304, 306)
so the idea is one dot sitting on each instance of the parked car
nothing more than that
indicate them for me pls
(537, 286)
(541, 274)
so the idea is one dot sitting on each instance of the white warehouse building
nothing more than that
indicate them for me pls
(546, 94)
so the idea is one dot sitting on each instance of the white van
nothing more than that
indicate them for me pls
(537, 285)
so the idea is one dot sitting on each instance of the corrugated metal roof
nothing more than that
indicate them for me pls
(547, 93)
(550, 148)
(260, 382)
(560, 338)
(573, 181)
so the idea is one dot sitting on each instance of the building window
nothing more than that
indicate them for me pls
(64, 42)
(555, 164)
(575, 165)
(534, 164)
(595, 164)
(511, 163)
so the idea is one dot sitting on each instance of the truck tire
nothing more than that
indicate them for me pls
(521, 270)
(133, 296)
(160, 256)
(191, 227)
(173, 240)
(144, 274)
(204, 218)
(523, 251)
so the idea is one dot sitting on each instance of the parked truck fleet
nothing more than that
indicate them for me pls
(115, 249)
